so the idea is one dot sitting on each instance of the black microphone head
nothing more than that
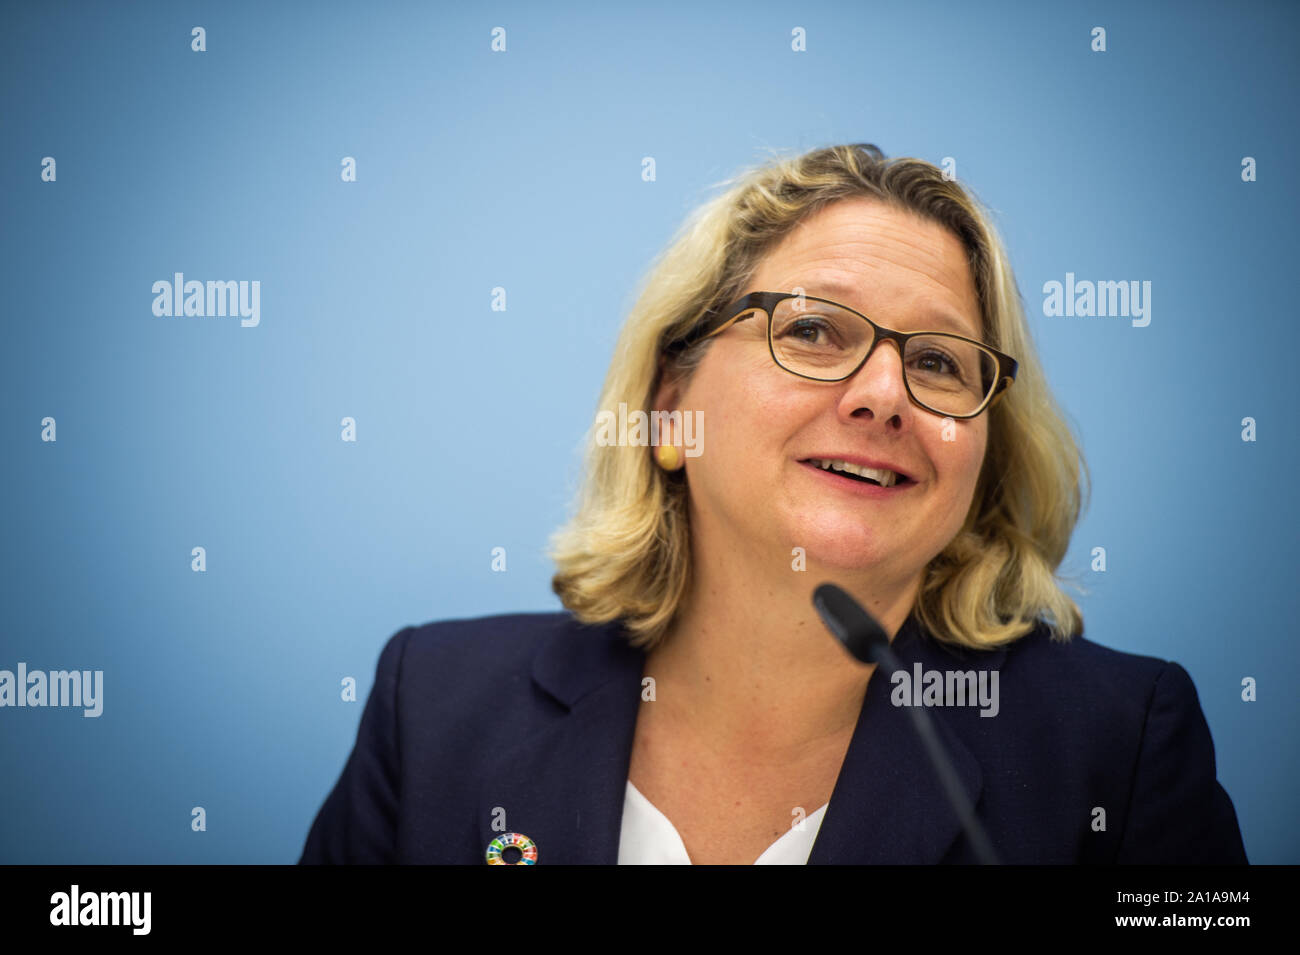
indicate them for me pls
(850, 623)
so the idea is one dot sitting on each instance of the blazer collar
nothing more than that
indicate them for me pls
(564, 785)
(888, 806)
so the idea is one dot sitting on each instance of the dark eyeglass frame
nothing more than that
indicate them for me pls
(767, 302)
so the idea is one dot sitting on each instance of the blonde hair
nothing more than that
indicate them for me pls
(625, 553)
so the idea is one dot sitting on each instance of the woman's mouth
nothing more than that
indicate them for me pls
(876, 476)
(869, 480)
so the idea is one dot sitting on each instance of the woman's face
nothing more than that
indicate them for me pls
(751, 487)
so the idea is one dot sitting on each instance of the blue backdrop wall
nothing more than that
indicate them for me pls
(1166, 158)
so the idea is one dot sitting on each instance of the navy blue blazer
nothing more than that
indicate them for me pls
(534, 714)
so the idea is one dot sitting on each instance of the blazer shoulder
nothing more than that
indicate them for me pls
(1080, 669)
(1079, 653)
(455, 670)
(1077, 692)
(555, 652)
(446, 694)
(487, 647)
(507, 671)
(1144, 715)
(497, 641)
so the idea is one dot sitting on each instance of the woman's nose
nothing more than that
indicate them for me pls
(878, 385)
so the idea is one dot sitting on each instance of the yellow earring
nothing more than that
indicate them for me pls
(669, 457)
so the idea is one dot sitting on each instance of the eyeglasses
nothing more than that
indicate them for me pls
(816, 338)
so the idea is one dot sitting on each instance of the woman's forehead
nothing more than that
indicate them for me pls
(867, 255)
(923, 312)
(914, 308)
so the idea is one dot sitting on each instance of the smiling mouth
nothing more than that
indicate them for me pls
(890, 478)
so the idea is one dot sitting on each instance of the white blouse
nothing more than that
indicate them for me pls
(648, 838)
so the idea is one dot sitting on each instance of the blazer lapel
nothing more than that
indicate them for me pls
(888, 806)
(564, 785)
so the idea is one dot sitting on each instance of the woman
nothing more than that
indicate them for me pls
(690, 706)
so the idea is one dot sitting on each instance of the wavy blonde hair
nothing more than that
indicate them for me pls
(625, 553)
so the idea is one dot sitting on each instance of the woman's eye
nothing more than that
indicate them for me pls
(807, 330)
(937, 363)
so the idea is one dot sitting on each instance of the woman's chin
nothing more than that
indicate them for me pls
(845, 555)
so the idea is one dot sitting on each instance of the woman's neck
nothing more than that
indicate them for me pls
(748, 665)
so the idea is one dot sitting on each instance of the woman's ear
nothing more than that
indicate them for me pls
(668, 391)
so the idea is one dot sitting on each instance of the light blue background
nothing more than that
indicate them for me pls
(522, 170)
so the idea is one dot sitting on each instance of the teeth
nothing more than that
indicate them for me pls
(886, 478)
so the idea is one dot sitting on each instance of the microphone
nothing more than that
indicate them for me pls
(864, 638)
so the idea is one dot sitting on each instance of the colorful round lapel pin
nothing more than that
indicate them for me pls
(517, 840)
